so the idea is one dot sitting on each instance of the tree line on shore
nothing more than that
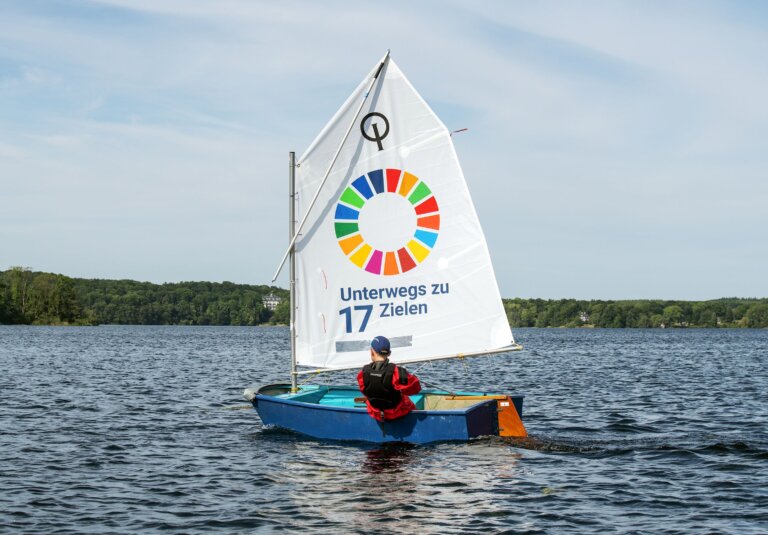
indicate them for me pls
(29, 297)
(642, 313)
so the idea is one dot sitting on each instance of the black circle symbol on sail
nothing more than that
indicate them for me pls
(377, 136)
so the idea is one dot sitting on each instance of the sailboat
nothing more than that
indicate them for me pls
(385, 240)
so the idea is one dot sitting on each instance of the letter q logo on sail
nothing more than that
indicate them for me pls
(387, 221)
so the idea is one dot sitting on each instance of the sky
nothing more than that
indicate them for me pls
(616, 150)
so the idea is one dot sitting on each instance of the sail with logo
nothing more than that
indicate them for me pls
(385, 241)
(390, 242)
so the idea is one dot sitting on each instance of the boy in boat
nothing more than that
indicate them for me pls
(385, 385)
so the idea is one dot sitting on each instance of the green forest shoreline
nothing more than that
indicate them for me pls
(38, 298)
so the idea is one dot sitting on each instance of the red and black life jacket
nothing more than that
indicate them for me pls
(377, 378)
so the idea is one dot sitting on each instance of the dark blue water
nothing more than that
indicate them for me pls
(126, 429)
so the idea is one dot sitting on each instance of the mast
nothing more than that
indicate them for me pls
(292, 275)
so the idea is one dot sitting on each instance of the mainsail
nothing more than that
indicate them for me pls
(393, 245)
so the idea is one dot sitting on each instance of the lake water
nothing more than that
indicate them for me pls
(126, 429)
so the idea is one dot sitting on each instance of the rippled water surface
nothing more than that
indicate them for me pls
(132, 429)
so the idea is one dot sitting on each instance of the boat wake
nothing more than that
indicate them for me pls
(701, 443)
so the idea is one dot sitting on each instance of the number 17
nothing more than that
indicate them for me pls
(347, 313)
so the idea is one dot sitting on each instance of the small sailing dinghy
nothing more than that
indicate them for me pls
(384, 240)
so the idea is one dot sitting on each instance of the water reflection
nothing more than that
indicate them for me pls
(388, 458)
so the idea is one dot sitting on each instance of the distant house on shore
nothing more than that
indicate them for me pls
(271, 301)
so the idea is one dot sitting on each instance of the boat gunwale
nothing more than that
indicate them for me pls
(447, 412)
(364, 410)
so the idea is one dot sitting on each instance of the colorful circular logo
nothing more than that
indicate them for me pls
(398, 190)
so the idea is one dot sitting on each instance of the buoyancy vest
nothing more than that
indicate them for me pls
(377, 381)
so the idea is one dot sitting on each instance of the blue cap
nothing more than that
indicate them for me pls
(380, 345)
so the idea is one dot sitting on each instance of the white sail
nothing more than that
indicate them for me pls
(393, 245)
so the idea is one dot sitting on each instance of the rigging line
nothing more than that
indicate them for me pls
(439, 387)
(330, 167)
(425, 364)
(433, 385)
(308, 379)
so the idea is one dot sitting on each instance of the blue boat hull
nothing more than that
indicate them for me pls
(333, 413)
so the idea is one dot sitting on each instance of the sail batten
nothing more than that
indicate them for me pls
(328, 172)
(391, 243)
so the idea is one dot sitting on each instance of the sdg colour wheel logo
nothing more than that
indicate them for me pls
(387, 222)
